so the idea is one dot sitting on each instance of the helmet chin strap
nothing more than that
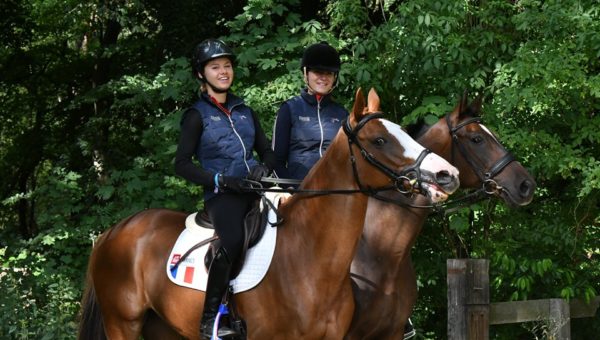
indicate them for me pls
(313, 90)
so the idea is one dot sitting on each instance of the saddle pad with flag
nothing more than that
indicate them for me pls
(192, 273)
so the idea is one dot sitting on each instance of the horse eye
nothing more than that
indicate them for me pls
(379, 142)
(477, 139)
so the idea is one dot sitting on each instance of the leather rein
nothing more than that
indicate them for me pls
(408, 181)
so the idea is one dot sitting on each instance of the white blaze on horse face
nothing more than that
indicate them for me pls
(431, 162)
(484, 128)
(412, 149)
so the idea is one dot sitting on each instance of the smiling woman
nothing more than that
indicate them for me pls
(306, 124)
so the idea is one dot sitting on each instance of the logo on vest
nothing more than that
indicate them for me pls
(335, 120)
(243, 117)
(215, 118)
(304, 119)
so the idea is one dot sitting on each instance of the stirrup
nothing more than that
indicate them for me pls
(222, 333)
(409, 330)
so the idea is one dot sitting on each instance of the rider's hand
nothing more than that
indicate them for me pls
(232, 184)
(258, 171)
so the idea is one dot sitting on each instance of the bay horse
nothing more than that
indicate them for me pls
(385, 285)
(306, 293)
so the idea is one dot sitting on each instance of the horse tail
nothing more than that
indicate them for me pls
(91, 326)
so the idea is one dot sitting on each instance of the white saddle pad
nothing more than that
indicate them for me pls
(193, 274)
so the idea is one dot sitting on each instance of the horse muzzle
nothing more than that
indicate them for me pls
(439, 185)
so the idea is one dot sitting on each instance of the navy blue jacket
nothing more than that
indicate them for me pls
(221, 143)
(303, 130)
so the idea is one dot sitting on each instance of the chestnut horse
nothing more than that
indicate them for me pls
(306, 293)
(385, 283)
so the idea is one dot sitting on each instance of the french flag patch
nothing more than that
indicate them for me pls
(188, 272)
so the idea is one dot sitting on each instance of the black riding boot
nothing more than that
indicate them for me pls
(218, 281)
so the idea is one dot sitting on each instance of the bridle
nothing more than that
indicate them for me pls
(489, 186)
(407, 181)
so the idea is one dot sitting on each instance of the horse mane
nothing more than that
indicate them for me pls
(417, 129)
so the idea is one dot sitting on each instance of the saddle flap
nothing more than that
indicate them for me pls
(255, 223)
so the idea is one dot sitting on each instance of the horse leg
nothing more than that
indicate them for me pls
(407, 291)
(118, 329)
(108, 325)
(118, 283)
(155, 328)
(123, 313)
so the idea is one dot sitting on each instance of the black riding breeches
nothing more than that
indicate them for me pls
(227, 212)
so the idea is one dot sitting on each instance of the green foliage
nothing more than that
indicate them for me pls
(93, 92)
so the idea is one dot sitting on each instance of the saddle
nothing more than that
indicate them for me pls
(255, 223)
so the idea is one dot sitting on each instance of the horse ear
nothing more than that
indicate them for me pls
(464, 103)
(373, 101)
(476, 104)
(359, 105)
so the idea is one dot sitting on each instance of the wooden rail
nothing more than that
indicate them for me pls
(470, 312)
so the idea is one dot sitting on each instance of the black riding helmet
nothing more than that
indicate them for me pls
(321, 56)
(208, 50)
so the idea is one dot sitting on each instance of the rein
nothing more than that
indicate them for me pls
(407, 182)
(410, 176)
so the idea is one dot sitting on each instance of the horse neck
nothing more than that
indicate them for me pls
(389, 233)
(326, 227)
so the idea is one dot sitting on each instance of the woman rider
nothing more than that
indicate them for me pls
(306, 124)
(221, 132)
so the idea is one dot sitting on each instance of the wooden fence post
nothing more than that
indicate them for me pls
(468, 299)
(559, 320)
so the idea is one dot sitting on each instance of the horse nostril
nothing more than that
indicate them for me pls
(443, 177)
(526, 188)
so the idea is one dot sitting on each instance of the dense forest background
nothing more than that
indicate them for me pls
(92, 93)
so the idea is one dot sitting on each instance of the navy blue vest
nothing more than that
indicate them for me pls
(314, 125)
(227, 141)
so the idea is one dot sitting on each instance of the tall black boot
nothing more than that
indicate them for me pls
(218, 281)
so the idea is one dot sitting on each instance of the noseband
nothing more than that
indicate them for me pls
(406, 181)
(490, 186)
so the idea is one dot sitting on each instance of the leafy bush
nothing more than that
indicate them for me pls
(97, 120)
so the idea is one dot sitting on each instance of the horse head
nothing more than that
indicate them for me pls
(482, 160)
(399, 158)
